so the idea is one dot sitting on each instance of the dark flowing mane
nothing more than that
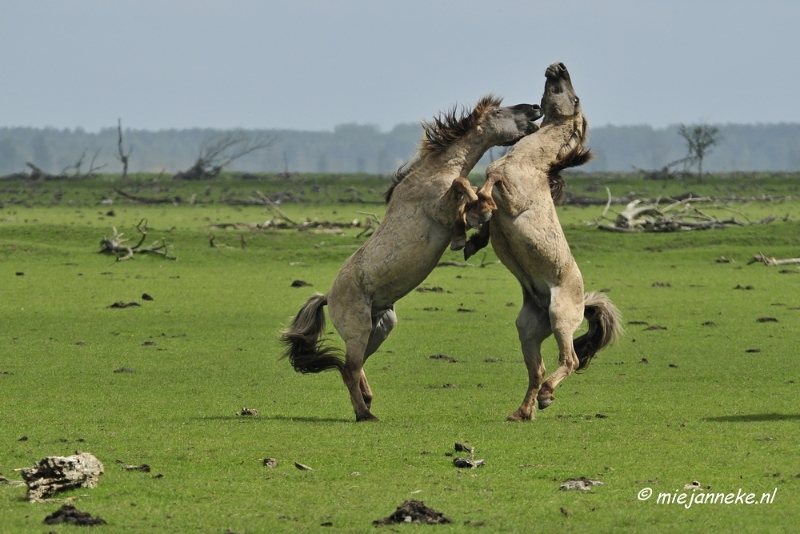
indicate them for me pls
(576, 157)
(399, 174)
(445, 129)
(453, 124)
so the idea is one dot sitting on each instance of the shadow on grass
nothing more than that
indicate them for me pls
(299, 419)
(753, 418)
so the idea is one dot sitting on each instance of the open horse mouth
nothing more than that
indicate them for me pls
(532, 113)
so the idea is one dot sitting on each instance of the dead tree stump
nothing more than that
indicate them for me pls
(57, 473)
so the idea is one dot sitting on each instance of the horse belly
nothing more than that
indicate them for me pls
(393, 267)
(534, 249)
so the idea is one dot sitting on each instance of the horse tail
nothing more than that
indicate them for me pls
(605, 326)
(304, 348)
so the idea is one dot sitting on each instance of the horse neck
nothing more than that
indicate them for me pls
(540, 148)
(460, 157)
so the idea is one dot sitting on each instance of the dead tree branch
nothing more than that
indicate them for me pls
(372, 223)
(115, 245)
(274, 207)
(676, 217)
(150, 200)
(772, 262)
(215, 155)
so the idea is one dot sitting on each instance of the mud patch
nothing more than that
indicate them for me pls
(766, 320)
(72, 516)
(121, 304)
(443, 357)
(413, 511)
(434, 289)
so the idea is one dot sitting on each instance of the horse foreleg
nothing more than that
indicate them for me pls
(566, 314)
(533, 326)
(479, 211)
(453, 203)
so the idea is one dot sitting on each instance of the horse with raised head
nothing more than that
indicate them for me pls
(425, 213)
(527, 237)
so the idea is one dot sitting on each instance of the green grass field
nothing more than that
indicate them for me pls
(706, 406)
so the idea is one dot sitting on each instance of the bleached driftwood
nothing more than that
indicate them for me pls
(57, 473)
(679, 216)
(772, 262)
(114, 245)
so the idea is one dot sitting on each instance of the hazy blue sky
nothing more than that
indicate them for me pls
(313, 64)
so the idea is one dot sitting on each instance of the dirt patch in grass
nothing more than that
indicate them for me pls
(121, 304)
(413, 511)
(72, 516)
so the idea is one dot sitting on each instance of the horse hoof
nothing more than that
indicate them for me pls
(458, 244)
(544, 403)
(367, 418)
(519, 417)
(469, 250)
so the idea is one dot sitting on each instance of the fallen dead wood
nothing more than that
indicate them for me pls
(115, 245)
(176, 200)
(574, 200)
(322, 226)
(57, 473)
(679, 216)
(772, 262)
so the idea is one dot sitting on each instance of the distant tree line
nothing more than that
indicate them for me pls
(366, 149)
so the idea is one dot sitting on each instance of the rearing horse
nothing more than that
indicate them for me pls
(527, 237)
(425, 213)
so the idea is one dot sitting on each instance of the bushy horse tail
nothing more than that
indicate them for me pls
(605, 326)
(304, 348)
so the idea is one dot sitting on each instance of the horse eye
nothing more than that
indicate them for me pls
(577, 99)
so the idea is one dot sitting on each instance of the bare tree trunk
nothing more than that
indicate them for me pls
(123, 157)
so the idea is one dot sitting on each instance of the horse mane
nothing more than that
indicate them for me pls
(403, 171)
(444, 130)
(572, 154)
(451, 125)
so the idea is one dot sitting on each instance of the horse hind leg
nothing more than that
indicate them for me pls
(533, 326)
(382, 325)
(354, 324)
(566, 314)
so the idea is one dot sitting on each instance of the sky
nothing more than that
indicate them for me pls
(315, 64)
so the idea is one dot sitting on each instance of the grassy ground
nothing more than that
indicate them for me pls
(702, 407)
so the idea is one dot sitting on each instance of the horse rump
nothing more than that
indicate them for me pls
(605, 326)
(304, 348)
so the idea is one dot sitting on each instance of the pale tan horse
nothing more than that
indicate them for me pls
(424, 214)
(527, 237)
